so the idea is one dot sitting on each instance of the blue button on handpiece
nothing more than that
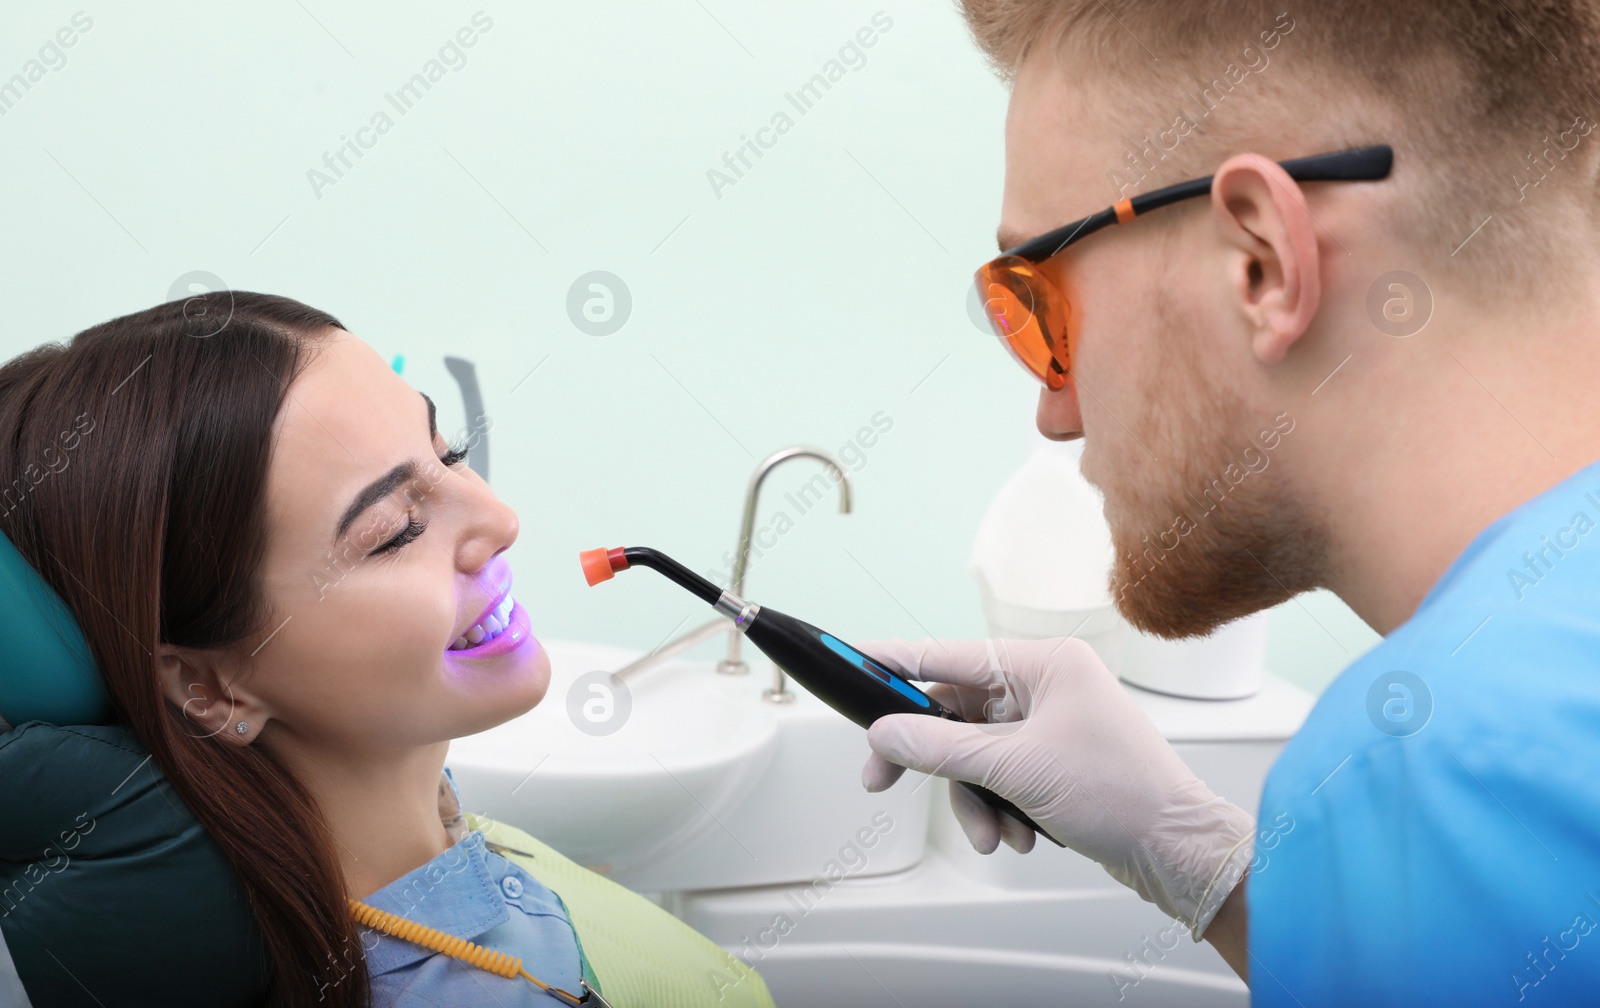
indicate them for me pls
(875, 670)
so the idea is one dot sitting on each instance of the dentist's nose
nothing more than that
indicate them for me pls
(1059, 417)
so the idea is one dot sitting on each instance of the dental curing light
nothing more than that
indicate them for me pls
(836, 673)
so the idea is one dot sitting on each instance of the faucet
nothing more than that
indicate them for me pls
(672, 648)
(733, 664)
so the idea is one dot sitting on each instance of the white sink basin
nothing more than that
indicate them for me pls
(1047, 928)
(704, 785)
(688, 748)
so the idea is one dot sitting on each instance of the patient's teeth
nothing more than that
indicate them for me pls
(493, 625)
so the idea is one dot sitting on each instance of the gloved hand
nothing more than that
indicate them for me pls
(1067, 744)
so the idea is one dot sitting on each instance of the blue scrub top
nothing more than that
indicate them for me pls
(471, 892)
(1432, 834)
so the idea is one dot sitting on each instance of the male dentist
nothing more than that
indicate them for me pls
(1388, 263)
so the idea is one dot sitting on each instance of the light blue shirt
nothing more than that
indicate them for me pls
(1432, 834)
(471, 892)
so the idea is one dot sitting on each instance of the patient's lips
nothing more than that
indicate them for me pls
(514, 632)
(501, 628)
(489, 627)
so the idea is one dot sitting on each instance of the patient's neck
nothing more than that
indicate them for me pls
(382, 810)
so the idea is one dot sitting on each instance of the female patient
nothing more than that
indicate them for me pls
(298, 595)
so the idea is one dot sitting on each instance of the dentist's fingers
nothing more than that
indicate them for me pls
(879, 773)
(978, 821)
(970, 703)
(952, 750)
(960, 663)
(956, 750)
(985, 826)
(1018, 837)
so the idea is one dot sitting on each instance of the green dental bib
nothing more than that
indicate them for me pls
(641, 956)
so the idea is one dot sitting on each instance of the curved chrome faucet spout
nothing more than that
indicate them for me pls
(733, 664)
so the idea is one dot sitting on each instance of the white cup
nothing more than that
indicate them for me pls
(1228, 665)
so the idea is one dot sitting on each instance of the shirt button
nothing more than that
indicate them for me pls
(511, 886)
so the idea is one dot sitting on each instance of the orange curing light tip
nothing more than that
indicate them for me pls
(600, 564)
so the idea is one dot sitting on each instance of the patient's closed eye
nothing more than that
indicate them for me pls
(454, 457)
(406, 535)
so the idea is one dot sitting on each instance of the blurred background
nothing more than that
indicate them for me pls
(662, 255)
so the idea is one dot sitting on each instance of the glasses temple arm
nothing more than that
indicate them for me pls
(1360, 164)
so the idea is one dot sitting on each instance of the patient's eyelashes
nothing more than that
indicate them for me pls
(456, 455)
(406, 535)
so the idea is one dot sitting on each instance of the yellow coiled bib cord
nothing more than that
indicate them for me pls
(499, 963)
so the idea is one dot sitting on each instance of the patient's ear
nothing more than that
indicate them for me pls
(202, 686)
(1273, 264)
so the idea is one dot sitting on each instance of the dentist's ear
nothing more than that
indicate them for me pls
(198, 685)
(1273, 264)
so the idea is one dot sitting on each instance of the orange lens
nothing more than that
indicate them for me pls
(1029, 315)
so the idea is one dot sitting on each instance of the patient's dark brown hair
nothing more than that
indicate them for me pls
(155, 531)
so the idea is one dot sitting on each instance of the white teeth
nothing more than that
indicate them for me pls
(492, 625)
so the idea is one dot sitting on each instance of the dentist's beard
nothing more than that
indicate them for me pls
(1247, 545)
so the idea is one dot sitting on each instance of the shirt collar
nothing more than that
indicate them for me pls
(1496, 530)
(455, 824)
(454, 893)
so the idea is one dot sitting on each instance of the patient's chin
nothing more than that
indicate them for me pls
(499, 693)
(533, 682)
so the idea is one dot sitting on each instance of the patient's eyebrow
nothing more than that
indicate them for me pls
(378, 490)
(384, 485)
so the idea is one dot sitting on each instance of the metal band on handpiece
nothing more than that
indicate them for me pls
(737, 609)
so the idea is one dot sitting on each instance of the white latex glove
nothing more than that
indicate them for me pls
(1072, 749)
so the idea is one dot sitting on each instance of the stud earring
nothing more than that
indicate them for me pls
(242, 727)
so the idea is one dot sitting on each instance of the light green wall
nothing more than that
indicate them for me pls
(824, 287)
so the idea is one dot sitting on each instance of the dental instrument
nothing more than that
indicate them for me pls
(836, 673)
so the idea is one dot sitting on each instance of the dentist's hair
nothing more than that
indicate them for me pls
(1489, 104)
(156, 532)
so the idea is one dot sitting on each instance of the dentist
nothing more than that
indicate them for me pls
(1389, 237)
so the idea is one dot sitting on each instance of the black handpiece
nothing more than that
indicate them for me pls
(836, 673)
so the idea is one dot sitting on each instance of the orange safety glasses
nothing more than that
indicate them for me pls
(1031, 314)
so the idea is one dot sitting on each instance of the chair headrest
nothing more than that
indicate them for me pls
(102, 864)
(49, 674)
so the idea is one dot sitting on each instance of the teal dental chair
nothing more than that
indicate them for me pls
(111, 893)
